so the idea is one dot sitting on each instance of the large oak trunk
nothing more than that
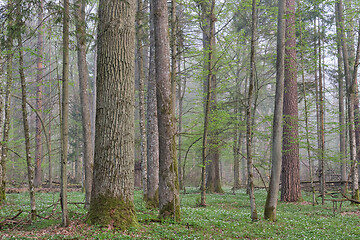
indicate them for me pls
(113, 178)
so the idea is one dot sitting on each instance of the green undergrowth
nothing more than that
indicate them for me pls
(227, 216)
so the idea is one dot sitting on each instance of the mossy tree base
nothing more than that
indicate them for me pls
(170, 211)
(108, 211)
(356, 195)
(152, 202)
(270, 214)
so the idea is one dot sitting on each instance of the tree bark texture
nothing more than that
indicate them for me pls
(39, 78)
(290, 175)
(113, 178)
(276, 154)
(173, 48)
(141, 75)
(169, 204)
(152, 199)
(88, 157)
(351, 99)
(5, 137)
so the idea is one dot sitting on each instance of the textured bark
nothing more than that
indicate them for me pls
(272, 195)
(65, 116)
(173, 48)
(141, 76)
(249, 109)
(113, 179)
(169, 204)
(152, 199)
(290, 176)
(39, 76)
(30, 168)
(350, 86)
(88, 159)
(2, 169)
(4, 145)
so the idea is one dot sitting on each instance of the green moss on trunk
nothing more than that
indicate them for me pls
(170, 211)
(154, 201)
(111, 211)
(270, 214)
(2, 195)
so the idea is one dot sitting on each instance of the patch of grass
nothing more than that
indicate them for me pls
(226, 216)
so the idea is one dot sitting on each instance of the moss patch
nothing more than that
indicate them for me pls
(170, 211)
(154, 201)
(107, 211)
(2, 195)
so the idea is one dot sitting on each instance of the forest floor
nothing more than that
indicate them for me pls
(226, 216)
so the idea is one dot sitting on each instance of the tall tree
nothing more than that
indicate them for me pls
(290, 175)
(39, 78)
(250, 108)
(272, 195)
(209, 60)
(65, 115)
(84, 97)
(351, 89)
(340, 75)
(113, 179)
(9, 80)
(208, 19)
(30, 168)
(321, 117)
(169, 204)
(152, 199)
(141, 79)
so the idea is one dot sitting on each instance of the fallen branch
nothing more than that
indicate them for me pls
(11, 220)
(350, 199)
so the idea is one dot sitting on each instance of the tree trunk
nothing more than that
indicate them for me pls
(342, 133)
(88, 157)
(250, 107)
(113, 180)
(213, 181)
(169, 204)
(272, 195)
(351, 95)
(143, 148)
(173, 48)
(290, 175)
(152, 199)
(65, 116)
(306, 112)
(50, 109)
(322, 124)
(30, 169)
(39, 76)
(4, 146)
